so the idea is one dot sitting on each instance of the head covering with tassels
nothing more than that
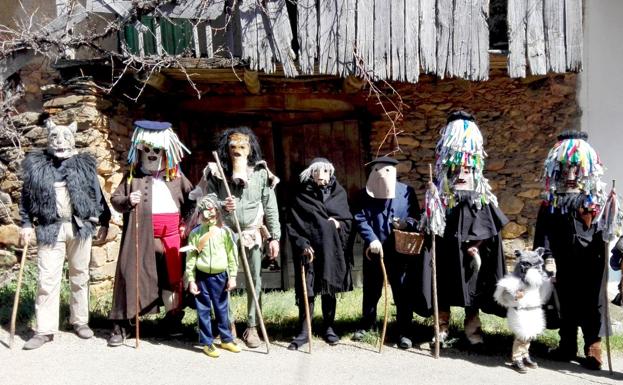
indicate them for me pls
(573, 150)
(157, 135)
(461, 145)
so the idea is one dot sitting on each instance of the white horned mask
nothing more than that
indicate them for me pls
(61, 139)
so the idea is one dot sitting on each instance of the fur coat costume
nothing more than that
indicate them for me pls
(525, 314)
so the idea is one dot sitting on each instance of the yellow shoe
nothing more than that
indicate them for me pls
(211, 351)
(231, 346)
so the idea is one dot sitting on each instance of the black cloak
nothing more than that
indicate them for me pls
(309, 225)
(580, 257)
(457, 283)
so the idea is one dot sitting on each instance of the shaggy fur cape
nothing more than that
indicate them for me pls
(39, 196)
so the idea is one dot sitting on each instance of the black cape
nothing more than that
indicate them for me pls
(309, 225)
(580, 257)
(457, 285)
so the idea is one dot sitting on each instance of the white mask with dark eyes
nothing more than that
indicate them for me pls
(382, 181)
(61, 139)
(151, 158)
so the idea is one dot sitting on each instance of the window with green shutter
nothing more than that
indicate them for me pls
(177, 36)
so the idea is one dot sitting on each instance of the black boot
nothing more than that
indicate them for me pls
(118, 334)
(329, 303)
(303, 337)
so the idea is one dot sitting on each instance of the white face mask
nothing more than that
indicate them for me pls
(61, 139)
(322, 176)
(568, 181)
(465, 180)
(151, 159)
(209, 214)
(382, 181)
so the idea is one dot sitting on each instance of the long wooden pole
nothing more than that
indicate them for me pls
(20, 275)
(307, 312)
(384, 271)
(138, 295)
(434, 274)
(605, 290)
(245, 263)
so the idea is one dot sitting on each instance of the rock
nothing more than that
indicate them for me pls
(69, 100)
(404, 167)
(112, 250)
(9, 235)
(510, 204)
(98, 257)
(105, 167)
(104, 272)
(495, 165)
(531, 194)
(112, 182)
(100, 289)
(7, 259)
(113, 232)
(513, 230)
(27, 118)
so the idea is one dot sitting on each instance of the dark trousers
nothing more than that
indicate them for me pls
(396, 266)
(212, 294)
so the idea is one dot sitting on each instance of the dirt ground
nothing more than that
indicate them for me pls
(69, 360)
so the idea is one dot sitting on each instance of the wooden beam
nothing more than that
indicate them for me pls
(573, 34)
(554, 23)
(535, 38)
(517, 38)
(428, 36)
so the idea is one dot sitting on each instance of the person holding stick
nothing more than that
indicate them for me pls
(63, 201)
(469, 256)
(568, 228)
(154, 193)
(384, 205)
(319, 227)
(253, 203)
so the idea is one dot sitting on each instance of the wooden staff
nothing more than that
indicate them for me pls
(20, 274)
(434, 274)
(137, 299)
(384, 329)
(306, 302)
(604, 287)
(245, 264)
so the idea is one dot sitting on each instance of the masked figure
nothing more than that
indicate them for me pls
(470, 259)
(154, 193)
(254, 203)
(319, 228)
(567, 227)
(523, 293)
(384, 205)
(63, 201)
(211, 269)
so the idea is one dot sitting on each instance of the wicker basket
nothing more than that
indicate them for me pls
(409, 243)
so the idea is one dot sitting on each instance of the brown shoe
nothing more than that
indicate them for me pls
(593, 356)
(251, 338)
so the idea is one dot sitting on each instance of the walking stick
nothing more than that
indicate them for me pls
(245, 264)
(604, 288)
(384, 330)
(20, 274)
(307, 312)
(434, 274)
(136, 317)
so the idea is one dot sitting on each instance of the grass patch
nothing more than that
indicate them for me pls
(281, 317)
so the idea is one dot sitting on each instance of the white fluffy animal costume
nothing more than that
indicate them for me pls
(523, 292)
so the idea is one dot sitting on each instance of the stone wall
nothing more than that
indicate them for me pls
(519, 119)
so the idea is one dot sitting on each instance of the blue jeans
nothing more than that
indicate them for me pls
(212, 293)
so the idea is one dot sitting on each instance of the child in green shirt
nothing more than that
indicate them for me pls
(211, 268)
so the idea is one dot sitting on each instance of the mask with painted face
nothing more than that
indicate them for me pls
(151, 159)
(61, 139)
(465, 180)
(239, 151)
(381, 182)
(208, 207)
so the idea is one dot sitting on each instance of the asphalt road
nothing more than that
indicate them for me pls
(69, 360)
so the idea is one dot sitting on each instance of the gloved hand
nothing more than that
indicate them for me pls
(376, 247)
(25, 234)
(476, 260)
(550, 267)
(309, 254)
